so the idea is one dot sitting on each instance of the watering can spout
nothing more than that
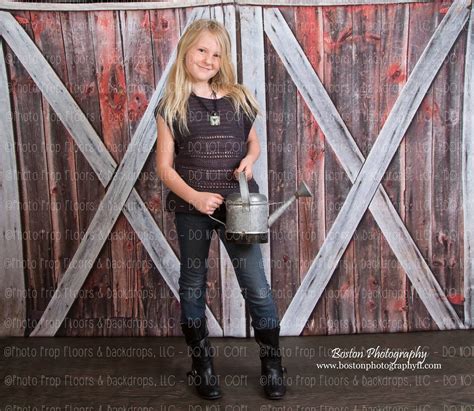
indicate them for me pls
(303, 191)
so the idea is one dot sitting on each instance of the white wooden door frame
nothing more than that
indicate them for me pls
(366, 174)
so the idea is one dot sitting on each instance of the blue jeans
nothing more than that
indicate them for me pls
(194, 238)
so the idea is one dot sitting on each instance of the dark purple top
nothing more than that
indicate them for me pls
(207, 157)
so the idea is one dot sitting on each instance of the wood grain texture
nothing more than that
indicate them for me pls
(340, 303)
(365, 106)
(351, 159)
(383, 280)
(393, 74)
(80, 63)
(392, 133)
(253, 77)
(447, 243)
(419, 167)
(189, 3)
(12, 283)
(282, 160)
(467, 176)
(165, 28)
(32, 178)
(89, 143)
(309, 30)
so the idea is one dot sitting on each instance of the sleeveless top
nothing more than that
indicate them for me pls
(207, 157)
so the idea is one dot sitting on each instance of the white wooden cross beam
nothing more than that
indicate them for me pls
(366, 176)
(104, 166)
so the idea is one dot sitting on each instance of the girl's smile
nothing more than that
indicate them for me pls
(203, 61)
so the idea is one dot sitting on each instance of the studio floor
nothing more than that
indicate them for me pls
(144, 374)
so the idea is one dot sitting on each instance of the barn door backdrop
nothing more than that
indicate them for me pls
(371, 104)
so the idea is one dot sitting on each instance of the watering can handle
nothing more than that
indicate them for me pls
(244, 189)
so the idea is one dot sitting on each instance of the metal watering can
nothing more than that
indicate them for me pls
(247, 214)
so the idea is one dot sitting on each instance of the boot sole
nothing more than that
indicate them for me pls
(279, 397)
(211, 398)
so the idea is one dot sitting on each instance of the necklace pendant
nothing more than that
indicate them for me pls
(214, 119)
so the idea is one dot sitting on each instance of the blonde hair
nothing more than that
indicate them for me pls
(174, 101)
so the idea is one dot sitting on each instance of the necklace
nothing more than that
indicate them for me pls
(214, 117)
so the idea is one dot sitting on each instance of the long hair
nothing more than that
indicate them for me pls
(174, 102)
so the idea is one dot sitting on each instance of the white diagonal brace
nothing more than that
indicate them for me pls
(96, 153)
(370, 175)
(468, 177)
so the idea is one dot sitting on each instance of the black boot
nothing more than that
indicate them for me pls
(272, 377)
(202, 374)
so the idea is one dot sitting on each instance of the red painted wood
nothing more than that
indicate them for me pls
(339, 292)
(164, 32)
(311, 166)
(33, 183)
(111, 62)
(392, 60)
(446, 236)
(82, 84)
(114, 111)
(138, 66)
(365, 100)
(282, 159)
(418, 166)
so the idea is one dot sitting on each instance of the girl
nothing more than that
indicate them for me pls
(205, 137)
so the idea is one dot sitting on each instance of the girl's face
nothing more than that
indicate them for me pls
(203, 59)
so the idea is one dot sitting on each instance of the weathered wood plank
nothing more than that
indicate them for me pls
(253, 77)
(418, 149)
(446, 182)
(138, 67)
(282, 168)
(322, 2)
(63, 177)
(311, 161)
(88, 141)
(12, 280)
(365, 91)
(340, 304)
(190, 3)
(33, 181)
(107, 35)
(467, 176)
(103, 221)
(165, 33)
(393, 68)
(81, 76)
(392, 131)
(46, 29)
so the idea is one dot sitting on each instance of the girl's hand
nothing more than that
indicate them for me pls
(246, 166)
(207, 202)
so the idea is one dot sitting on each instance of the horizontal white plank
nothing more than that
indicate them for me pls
(9, 5)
